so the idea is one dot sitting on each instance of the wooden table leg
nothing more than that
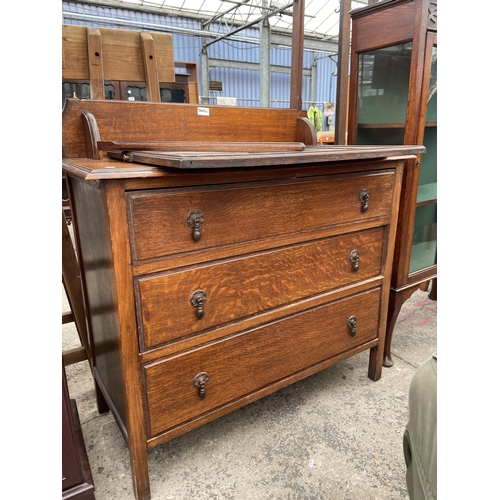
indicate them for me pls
(434, 288)
(374, 364)
(396, 301)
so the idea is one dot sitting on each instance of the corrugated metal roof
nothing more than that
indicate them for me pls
(321, 16)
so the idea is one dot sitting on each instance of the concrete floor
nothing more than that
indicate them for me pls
(335, 435)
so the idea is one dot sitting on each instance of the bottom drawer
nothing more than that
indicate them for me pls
(251, 360)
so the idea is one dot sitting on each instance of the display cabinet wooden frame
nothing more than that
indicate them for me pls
(392, 100)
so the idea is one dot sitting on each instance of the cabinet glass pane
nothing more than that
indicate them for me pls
(427, 185)
(423, 250)
(172, 95)
(75, 90)
(82, 91)
(136, 93)
(384, 76)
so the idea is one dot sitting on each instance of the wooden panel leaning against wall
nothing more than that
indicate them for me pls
(117, 64)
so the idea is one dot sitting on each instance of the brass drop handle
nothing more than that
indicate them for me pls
(198, 298)
(199, 382)
(364, 194)
(194, 220)
(351, 323)
(354, 258)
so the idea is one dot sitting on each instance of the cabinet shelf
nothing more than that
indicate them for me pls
(392, 125)
(427, 193)
(420, 253)
(382, 125)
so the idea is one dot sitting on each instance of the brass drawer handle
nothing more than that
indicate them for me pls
(354, 258)
(351, 323)
(364, 194)
(197, 300)
(199, 382)
(194, 220)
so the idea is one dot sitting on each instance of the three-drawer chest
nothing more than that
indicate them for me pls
(213, 278)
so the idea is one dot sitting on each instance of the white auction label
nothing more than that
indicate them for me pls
(204, 111)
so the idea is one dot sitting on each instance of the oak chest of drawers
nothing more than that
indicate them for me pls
(207, 289)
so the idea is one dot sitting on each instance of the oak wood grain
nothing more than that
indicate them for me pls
(205, 146)
(235, 213)
(146, 121)
(273, 258)
(251, 360)
(246, 286)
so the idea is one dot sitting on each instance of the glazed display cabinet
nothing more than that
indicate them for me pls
(393, 100)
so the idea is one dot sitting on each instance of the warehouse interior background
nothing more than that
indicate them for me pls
(469, 179)
(242, 49)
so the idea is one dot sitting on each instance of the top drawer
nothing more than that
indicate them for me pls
(174, 221)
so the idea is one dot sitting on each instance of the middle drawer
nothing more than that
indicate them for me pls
(174, 305)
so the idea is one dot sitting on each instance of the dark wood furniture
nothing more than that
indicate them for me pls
(393, 100)
(73, 289)
(219, 272)
(77, 482)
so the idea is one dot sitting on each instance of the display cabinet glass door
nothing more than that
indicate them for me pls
(383, 83)
(424, 246)
(384, 76)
